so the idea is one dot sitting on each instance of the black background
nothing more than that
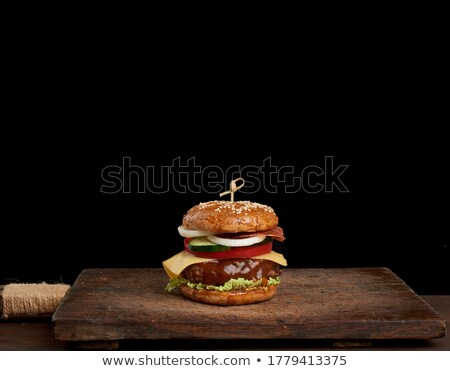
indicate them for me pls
(377, 109)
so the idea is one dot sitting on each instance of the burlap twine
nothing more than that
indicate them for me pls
(22, 300)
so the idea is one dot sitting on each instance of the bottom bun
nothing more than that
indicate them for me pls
(230, 298)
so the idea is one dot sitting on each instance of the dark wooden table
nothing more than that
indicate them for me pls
(39, 336)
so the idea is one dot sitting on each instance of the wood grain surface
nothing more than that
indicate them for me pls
(348, 303)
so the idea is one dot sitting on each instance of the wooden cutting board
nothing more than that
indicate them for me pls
(351, 303)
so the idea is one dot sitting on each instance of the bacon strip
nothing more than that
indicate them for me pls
(276, 233)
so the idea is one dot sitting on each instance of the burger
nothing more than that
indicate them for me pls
(228, 257)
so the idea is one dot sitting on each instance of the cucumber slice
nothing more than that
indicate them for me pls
(201, 241)
(203, 244)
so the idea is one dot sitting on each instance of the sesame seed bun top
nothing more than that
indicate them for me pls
(230, 217)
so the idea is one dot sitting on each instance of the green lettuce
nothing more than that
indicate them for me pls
(234, 284)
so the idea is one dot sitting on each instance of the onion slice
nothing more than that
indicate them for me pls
(184, 232)
(234, 242)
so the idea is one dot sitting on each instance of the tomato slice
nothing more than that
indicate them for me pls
(235, 252)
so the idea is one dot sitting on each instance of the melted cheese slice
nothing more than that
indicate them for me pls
(177, 263)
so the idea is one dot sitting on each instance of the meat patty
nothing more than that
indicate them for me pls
(217, 272)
